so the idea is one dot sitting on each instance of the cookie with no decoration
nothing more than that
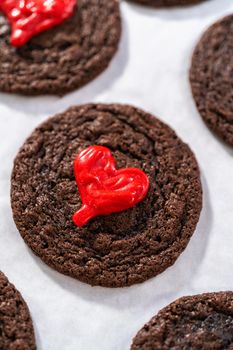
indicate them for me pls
(211, 77)
(167, 3)
(196, 322)
(16, 328)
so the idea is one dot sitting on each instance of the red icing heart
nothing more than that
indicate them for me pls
(102, 187)
(31, 17)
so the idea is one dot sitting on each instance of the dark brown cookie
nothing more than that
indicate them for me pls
(119, 249)
(211, 77)
(16, 329)
(63, 58)
(167, 3)
(201, 322)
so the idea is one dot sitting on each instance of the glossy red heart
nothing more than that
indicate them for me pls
(31, 17)
(102, 187)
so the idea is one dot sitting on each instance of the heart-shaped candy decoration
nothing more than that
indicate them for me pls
(102, 187)
(31, 17)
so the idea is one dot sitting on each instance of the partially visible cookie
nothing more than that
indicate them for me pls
(211, 77)
(201, 322)
(65, 57)
(167, 3)
(16, 329)
(121, 248)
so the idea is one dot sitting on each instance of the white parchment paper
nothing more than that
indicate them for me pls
(150, 70)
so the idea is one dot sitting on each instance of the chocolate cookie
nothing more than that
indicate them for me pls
(16, 329)
(201, 322)
(122, 248)
(65, 57)
(167, 3)
(211, 78)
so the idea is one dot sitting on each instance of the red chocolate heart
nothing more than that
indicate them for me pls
(102, 187)
(31, 17)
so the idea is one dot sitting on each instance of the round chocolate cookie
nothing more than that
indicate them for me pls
(201, 322)
(211, 77)
(167, 3)
(16, 329)
(65, 57)
(122, 248)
